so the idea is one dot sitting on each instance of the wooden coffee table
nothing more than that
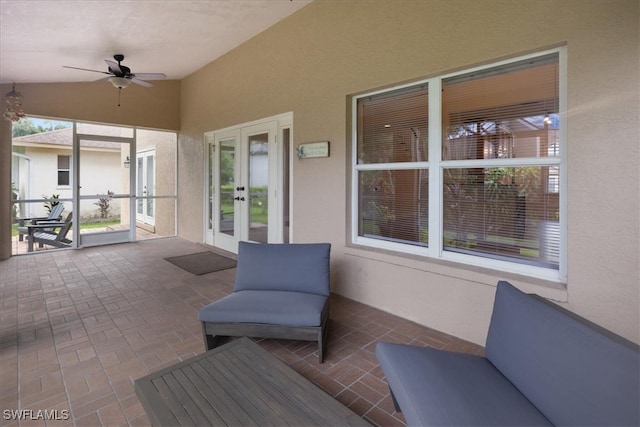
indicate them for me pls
(238, 384)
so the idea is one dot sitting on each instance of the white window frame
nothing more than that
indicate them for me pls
(436, 167)
(58, 170)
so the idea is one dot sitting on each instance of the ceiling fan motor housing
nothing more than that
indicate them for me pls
(121, 71)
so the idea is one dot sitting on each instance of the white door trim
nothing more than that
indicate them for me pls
(275, 126)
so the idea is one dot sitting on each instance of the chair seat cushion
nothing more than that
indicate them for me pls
(268, 307)
(435, 387)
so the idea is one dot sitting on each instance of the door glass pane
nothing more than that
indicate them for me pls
(211, 182)
(258, 187)
(150, 185)
(227, 182)
(140, 185)
(286, 141)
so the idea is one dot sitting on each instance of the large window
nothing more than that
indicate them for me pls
(466, 167)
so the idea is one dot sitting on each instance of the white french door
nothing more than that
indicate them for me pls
(245, 192)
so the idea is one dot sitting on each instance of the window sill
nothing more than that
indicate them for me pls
(548, 289)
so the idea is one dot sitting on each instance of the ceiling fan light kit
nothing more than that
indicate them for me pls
(121, 77)
(119, 82)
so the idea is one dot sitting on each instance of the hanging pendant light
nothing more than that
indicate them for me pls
(14, 105)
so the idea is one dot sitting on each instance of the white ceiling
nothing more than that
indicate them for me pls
(175, 37)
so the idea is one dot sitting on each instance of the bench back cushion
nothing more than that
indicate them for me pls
(296, 267)
(574, 372)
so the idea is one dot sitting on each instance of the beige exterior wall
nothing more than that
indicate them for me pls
(156, 107)
(313, 60)
(309, 64)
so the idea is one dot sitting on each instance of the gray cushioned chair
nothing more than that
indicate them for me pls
(280, 291)
(544, 366)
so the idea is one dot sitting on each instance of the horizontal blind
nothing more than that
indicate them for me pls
(392, 127)
(393, 205)
(503, 112)
(510, 212)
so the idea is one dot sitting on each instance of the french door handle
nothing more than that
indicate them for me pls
(239, 198)
(239, 188)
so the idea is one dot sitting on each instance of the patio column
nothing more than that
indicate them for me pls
(5, 184)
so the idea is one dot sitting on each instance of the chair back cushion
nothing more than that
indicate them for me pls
(294, 267)
(573, 371)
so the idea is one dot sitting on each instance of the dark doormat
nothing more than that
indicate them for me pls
(202, 262)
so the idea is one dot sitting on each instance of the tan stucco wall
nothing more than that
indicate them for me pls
(309, 64)
(156, 107)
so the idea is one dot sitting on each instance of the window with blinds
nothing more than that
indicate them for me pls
(502, 118)
(393, 186)
(470, 170)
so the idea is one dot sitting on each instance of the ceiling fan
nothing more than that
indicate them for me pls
(121, 76)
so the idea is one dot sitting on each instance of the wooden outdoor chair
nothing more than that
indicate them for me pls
(46, 234)
(54, 215)
(280, 291)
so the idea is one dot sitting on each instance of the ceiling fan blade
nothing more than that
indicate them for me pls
(114, 67)
(151, 76)
(140, 82)
(85, 69)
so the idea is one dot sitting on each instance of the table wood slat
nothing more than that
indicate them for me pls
(238, 384)
(242, 396)
(179, 412)
(202, 402)
(277, 405)
(182, 399)
(151, 397)
(317, 405)
(296, 399)
(216, 399)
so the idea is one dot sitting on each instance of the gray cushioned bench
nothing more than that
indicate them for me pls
(280, 291)
(544, 366)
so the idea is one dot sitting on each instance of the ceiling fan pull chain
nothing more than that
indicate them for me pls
(119, 90)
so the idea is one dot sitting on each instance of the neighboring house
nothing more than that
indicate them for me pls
(42, 167)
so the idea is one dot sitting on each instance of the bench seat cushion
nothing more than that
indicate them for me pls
(441, 388)
(267, 307)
